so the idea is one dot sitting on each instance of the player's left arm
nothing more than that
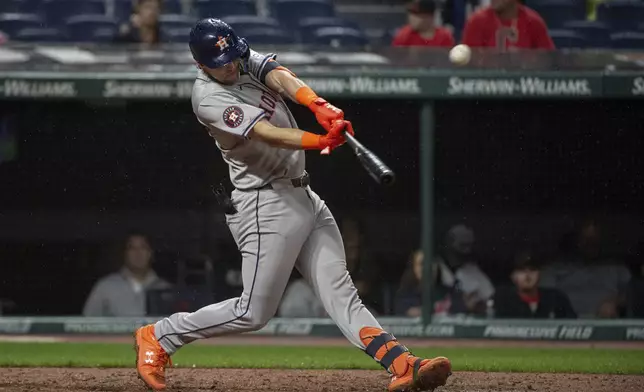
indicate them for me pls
(285, 82)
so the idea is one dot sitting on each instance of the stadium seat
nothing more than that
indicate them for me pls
(628, 40)
(291, 12)
(621, 15)
(16, 6)
(568, 39)
(268, 36)
(123, 8)
(13, 22)
(557, 12)
(104, 34)
(87, 28)
(219, 8)
(597, 33)
(172, 7)
(176, 21)
(175, 34)
(339, 37)
(307, 26)
(38, 34)
(243, 23)
(57, 11)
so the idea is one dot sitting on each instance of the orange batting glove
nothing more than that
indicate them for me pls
(332, 140)
(325, 113)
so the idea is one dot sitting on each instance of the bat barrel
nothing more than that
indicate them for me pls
(370, 161)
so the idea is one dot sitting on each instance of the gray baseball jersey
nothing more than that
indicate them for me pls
(276, 228)
(230, 112)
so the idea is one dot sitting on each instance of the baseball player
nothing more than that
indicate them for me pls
(277, 221)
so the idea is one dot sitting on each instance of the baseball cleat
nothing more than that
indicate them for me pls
(151, 359)
(422, 375)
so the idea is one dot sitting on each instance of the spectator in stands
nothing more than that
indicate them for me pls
(122, 294)
(143, 26)
(408, 301)
(506, 25)
(421, 29)
(525, 299)
(299, 300)
(595, 284)
(470, 287)
(3, 38)
(360, 264)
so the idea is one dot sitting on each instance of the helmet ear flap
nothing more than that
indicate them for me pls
(244, 47)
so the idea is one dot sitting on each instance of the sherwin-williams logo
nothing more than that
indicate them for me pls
(519, 86)
(638, 86)
(140, 89)
(365, 85)
(37, 89)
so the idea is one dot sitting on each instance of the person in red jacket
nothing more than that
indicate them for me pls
(421, 30)
(507, 24)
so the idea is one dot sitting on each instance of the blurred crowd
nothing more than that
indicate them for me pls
(578, 281)
(501, 24)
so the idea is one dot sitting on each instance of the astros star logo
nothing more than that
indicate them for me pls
(233, 116)
(223, 42)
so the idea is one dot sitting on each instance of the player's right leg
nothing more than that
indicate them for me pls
(270, 228)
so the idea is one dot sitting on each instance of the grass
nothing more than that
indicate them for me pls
(568, 360)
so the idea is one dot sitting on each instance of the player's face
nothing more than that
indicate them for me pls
(526, 279)
(227, 74)
(138, 254)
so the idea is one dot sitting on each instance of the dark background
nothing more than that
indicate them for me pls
(521, 173)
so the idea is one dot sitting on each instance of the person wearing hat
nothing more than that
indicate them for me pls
(470, 288)
(525, 299)
(421, 29)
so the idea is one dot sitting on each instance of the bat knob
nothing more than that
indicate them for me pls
(387, 178)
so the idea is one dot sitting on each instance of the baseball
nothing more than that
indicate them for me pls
(460, 54)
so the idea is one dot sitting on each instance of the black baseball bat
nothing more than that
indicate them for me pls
(370, 161)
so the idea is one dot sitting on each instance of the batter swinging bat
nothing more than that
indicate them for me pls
(370, 161)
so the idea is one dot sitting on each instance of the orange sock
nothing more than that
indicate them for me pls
(385, 349)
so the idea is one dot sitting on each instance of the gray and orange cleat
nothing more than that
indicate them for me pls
(422, 375)
(408, 372)
(151, 358)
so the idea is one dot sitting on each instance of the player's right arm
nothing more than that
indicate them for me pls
(283, 81)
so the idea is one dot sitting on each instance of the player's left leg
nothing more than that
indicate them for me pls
(322, 263)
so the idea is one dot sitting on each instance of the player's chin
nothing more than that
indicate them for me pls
(231, 79)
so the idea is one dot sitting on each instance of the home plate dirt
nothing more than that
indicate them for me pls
(198, 380)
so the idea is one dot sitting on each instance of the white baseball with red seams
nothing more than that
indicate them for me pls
(460, 54)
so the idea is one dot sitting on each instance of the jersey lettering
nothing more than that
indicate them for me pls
(268, 104)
